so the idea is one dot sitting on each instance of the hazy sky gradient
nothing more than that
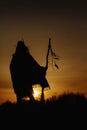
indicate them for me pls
(35, 22)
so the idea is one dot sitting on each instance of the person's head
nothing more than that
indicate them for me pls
(21, 47)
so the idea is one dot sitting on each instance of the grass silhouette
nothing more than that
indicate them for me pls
(67, 108)
(61, 103)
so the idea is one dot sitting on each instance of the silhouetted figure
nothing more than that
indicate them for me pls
(25, 72)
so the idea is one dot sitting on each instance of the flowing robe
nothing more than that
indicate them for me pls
(25, 72)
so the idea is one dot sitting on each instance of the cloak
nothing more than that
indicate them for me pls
(25, 71)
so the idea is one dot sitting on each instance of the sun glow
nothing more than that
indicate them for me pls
(37, 92)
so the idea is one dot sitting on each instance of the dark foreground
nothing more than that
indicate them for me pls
(66, 111)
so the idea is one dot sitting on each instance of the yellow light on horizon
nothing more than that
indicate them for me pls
(36, 93)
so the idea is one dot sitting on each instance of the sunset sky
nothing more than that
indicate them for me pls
(35, 21)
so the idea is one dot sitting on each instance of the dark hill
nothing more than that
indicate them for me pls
(69, 109)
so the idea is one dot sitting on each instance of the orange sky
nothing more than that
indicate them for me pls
(35, 22)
